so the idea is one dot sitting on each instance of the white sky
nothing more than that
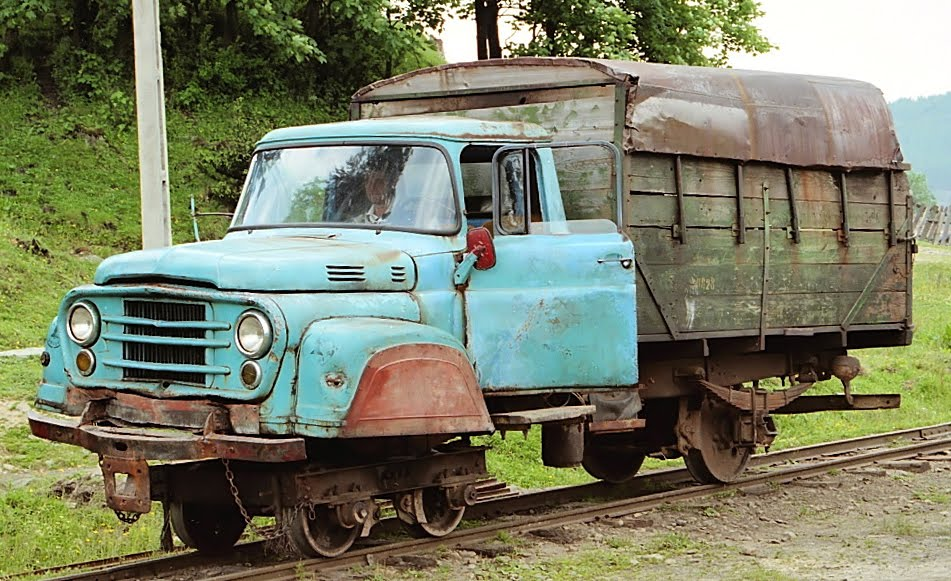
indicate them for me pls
(901, 46)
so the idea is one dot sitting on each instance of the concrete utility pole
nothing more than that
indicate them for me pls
(150, 112)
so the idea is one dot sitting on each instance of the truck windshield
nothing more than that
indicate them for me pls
(362, 186)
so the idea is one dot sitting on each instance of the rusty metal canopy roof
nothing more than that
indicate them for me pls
(800, 120)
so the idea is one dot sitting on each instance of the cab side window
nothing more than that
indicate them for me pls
(476, 163)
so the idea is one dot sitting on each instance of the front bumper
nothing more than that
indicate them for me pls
(125, 450)
(156, 444)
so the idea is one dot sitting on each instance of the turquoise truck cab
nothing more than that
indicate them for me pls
(322, 286)
(382, 283)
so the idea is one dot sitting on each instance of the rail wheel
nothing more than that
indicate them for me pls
(317, 531)
(715, 456)
(428, 512)
(614, 464)
(211, 528)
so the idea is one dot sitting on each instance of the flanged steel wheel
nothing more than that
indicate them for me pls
(614, 464)
(428, 512)
(317, 532)
(211, 528)
(717, 457)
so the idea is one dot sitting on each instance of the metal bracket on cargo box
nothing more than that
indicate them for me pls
(131, 494)
(793, 212)
(679, 230)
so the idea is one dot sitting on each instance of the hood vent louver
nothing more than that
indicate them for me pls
(398, 274)
(346, 273)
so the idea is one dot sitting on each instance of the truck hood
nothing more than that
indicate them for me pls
(286, 264)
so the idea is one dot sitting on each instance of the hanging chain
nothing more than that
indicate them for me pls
(266, 534)
(127, 517)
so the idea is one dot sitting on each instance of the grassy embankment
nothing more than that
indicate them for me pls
(69, 193)
(68, 181)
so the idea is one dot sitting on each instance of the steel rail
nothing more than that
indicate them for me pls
(641, 487)
(614, 509)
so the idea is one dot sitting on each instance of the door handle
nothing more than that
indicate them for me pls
(625, 262)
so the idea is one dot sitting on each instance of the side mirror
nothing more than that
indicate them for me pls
(479, 243)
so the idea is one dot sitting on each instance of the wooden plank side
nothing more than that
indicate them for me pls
(718, 247)
(757, 176)
(746, 279)
(700, 211)
(810, 310)
(902, 191)
(816, 185)
(710, 212)
(648, 172)
(649, 320)
(709, 177)
(710, 312)
(827, 215)
(869, 187)
(587, 182)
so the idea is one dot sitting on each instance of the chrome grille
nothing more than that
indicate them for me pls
(162, 353)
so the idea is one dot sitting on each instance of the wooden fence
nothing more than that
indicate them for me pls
(933, 223)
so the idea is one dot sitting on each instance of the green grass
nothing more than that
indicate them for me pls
(921, 372)
(69, 181)
(19, 378)
(934, 496)
(40, 530)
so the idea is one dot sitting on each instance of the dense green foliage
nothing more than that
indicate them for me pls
(920, 190)
(217, 47)
(327, 48)
(703, 32)
(922, 125)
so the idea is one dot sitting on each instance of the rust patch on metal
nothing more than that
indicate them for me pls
(127, 484)
(755, 400)
(154, 444)
(615, 426)
(417, 389)
(146, 411)
(700, 111)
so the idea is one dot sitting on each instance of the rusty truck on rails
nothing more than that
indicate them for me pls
(641, 259)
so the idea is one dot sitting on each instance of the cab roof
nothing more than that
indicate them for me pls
(410, 127)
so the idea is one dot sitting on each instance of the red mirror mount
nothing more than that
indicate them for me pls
(479, 242)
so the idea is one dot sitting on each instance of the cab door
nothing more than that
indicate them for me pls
(558, 308)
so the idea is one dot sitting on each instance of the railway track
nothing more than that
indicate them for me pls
(642, 493)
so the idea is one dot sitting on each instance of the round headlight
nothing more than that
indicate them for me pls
(85, 362)
(253, 334)
(250, 374)
(82, 323)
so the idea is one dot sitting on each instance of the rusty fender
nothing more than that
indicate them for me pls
(154, 444)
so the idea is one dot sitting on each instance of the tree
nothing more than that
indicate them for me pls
(699, 32)
(920, 191)
(220, 47)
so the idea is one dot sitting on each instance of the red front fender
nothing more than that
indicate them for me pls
(417, 389)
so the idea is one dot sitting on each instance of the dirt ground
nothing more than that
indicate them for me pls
(882, 522)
